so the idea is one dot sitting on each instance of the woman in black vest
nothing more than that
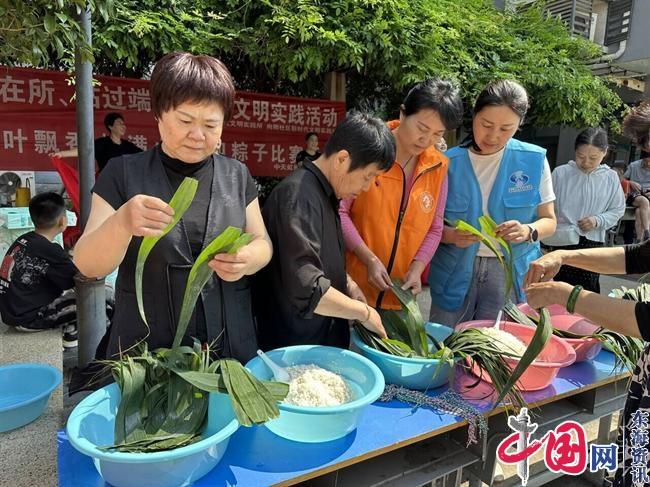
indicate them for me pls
(192, 100)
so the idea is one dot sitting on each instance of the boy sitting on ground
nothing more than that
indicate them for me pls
(37, 275)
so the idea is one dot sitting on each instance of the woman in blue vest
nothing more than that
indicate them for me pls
(497, 175)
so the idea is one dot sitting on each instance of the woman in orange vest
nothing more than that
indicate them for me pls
(392, 230)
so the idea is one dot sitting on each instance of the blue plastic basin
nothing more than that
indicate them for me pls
(412, 373)
(24, 392)
(91, 425)
(312, 424)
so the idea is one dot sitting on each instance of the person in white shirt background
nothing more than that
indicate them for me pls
(589, 200)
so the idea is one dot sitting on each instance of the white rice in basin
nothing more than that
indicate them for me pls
(313, 386)
(505, 341)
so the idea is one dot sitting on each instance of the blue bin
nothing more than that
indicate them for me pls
(91, 425)
(315, 425)
(25, 391)
(412, 373)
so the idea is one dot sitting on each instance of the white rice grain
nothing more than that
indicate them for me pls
(313, 386)
(505, 341)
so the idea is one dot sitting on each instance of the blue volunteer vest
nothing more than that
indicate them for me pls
(514, 196)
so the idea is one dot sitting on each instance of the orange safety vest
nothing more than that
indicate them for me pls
(392, 234)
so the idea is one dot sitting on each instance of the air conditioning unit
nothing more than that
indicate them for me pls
(12, 180)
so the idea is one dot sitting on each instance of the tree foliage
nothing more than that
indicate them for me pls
(383, 46)
(45, 32)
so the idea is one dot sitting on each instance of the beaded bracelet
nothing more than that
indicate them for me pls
(573, 297)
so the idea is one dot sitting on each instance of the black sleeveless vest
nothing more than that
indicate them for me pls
(227, 305)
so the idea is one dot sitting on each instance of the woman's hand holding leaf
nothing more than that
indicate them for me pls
(144, 216)
(513, 231)
(459, 238)
(232, 267)
(543, 269)
(378, 275)
(543, 294)
(413, 277)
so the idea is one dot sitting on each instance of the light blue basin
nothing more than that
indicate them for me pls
(412, 373)
(24, 392)
(91, 425)
(315, 425)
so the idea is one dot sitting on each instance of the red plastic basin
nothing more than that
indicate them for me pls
(585, 348)
(541, 372)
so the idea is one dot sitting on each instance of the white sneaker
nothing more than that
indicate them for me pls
(498, 473)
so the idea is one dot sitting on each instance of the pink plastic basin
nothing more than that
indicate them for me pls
(541, 372)
(585, 348)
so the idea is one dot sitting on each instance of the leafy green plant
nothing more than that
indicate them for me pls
(287, 47)
(165, 392)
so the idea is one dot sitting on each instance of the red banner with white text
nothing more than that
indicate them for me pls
(37, 117)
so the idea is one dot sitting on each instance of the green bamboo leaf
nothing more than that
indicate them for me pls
(466, 227)
(128, 424)
(186, 411)
(230, 240)
(394, 322)
(278, 390)
(414, 322)
(541, 337)
(489, 226)
(205, 381)
(254, 400)
(180, 202)
(240, 411)
(401, 345)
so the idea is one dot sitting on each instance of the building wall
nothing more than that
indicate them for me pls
(637, 53)
(600, 26)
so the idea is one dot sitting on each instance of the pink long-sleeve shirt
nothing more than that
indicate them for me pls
(431, 240)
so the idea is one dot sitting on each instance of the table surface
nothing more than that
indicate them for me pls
(255, 456)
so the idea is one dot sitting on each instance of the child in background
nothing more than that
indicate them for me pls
(37, 275)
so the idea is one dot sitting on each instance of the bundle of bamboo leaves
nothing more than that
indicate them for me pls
(164, 393)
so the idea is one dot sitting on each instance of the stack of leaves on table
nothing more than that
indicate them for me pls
(165, 392)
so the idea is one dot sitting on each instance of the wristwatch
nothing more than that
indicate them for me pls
(533, 236)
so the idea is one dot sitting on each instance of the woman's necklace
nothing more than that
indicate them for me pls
(407, 163)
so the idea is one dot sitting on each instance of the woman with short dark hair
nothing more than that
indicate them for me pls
(493, 174)
(109, 146)
(393, 230)
(305, 296)
(192, 99)
(589, 201)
